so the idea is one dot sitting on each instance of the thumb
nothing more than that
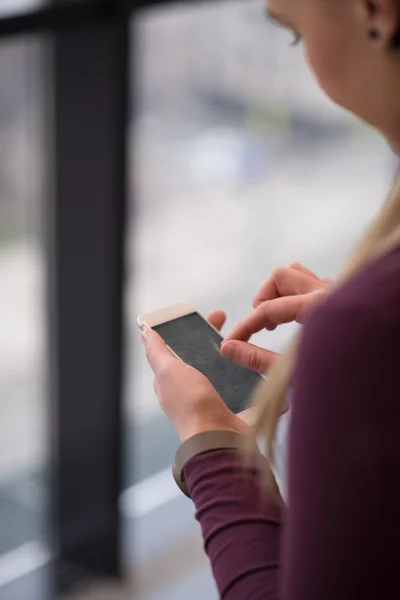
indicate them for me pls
(250, 356)
(158, 354)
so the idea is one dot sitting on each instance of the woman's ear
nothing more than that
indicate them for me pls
(380, 19)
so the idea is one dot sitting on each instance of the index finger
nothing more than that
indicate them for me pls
(253, 323)
(277, 312)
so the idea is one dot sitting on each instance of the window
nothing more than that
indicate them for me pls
(23, 431)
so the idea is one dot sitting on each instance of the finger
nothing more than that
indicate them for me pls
(250, 356)
(285, 282)
(253, 323)
(217, 319)
(298, 267)
(156, 386)
(275, 312)
(158, 354)
(293, 308)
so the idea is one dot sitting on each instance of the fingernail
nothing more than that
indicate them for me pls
(143, 335)
(228, 349)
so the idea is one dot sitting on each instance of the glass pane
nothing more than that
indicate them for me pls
(10, 8)
(22, 340)
(239, 165)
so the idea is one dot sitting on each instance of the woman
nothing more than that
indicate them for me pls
(341, 537)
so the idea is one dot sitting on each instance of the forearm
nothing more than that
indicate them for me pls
(241, 530)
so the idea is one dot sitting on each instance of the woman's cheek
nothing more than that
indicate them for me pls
(328, 68)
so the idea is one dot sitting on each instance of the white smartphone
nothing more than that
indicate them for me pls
(193, 340)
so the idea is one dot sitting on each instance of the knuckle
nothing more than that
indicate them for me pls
(149, 354)
(320, 292)
(163, 371)
(294, 311)
(253, 360)
(257, 301)
(326, 282)
(295, 265)
(279, 272)
(265, 307)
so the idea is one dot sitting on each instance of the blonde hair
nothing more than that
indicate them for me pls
(383, 234)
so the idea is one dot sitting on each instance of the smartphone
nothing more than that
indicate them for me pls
(193, 340)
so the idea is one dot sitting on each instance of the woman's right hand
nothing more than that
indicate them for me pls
(285, 297)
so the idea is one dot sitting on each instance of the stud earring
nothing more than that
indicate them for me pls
(373, 34)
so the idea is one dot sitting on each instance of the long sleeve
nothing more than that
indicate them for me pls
(242, 533)
(342, 528)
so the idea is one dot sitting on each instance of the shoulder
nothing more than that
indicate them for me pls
(368, 302)
(352, 339)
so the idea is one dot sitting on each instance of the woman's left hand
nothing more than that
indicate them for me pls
(186, 396)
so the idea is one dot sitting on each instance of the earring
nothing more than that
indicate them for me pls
(373, 34)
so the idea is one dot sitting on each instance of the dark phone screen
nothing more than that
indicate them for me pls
(197, 344)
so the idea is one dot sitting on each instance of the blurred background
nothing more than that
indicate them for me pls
(236, 164)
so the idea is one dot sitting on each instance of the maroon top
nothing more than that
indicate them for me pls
(341, 533)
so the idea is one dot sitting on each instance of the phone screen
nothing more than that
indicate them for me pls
(197, 344)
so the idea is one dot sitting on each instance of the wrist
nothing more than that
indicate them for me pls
(206, 442)
(190, 429)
